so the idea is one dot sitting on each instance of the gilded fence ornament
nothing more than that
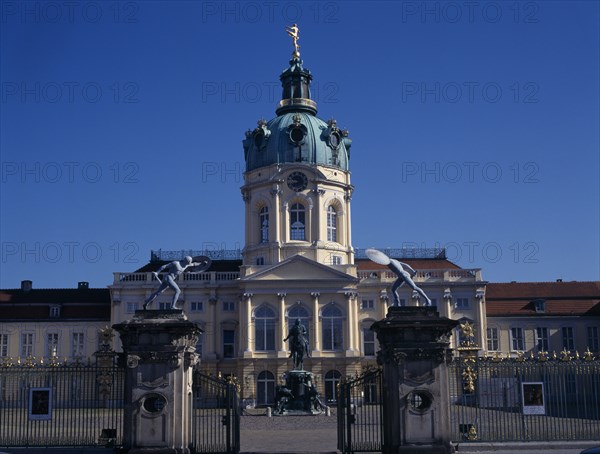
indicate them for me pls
(542, 356)
(105, 381)
(468, 332)
(472, 435)
(469, 375)
(565, 356)
(30, 361)
(588, 355)
(520, 357)
(554, 356)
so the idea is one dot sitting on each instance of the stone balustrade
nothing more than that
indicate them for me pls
(145, 278)
(443, 275)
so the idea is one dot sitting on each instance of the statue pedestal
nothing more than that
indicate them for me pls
(301, 385)
(159, 347)
(414, 354)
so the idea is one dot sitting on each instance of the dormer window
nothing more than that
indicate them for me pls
(539, 305)
(54, 311)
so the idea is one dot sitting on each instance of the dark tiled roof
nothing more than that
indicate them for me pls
(89, 304)
(507, 290)
(417, 264)
(561, 298)
(216, 265)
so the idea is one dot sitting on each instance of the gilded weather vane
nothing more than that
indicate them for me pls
(293, 31)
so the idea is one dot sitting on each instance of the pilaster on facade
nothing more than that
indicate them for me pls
(351, 322)
(281, 350)
(249, 350)
(209, 342)
(447, 297)
(384, 301)
(416, 298)
(316, 347)
(480, 315)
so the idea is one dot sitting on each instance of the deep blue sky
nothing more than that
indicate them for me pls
(475, 126)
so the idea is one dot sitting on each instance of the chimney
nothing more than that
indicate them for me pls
(83, 285)
(26, 285)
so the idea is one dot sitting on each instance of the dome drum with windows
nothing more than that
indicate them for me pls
(296, 135)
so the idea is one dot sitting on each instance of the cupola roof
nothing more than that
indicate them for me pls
(296, 134)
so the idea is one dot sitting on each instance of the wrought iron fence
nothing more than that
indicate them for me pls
(60, 403)
(543, 398)
(360, 413)
(215, 415)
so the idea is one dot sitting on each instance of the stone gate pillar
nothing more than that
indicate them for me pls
(159, 349)
(414, 354)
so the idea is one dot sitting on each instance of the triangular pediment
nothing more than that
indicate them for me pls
(299, 268)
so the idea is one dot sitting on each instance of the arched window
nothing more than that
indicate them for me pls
(265, 388)
(332, 378)
(264, 224)
(297, 222)
(332, 328)
(331, 224)
(264, 329)
(299, 312)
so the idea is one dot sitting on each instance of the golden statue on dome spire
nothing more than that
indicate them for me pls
(294, 32)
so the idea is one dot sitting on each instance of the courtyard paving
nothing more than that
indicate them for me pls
(318, 434)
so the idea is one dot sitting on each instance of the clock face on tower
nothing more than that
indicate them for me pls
(297, 181)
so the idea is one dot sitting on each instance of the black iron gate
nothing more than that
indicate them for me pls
(215, 415)
(57, 404)
(360, 413)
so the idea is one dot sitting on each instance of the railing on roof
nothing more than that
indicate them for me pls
(208, 276)
(236, 254)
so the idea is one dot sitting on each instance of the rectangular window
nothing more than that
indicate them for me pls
(517, 339)
(130, 308)
(542, 340)
(367, 304)
(368, 342)
(164, 306)
(568, 338)
(332, 334)
(228, 343)
(260, 260)
(3, 345)
(26, 345)
(264, 225)
(228, 306)
(461, 303)
(54, 311)
(196, 306)
(540, 306)
(52, 345)
(336, 260)
(264, 330)
(77, 345)
(297, 222)
(493, 344)
(593, 338)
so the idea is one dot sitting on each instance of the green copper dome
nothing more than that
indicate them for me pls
(296, 135)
